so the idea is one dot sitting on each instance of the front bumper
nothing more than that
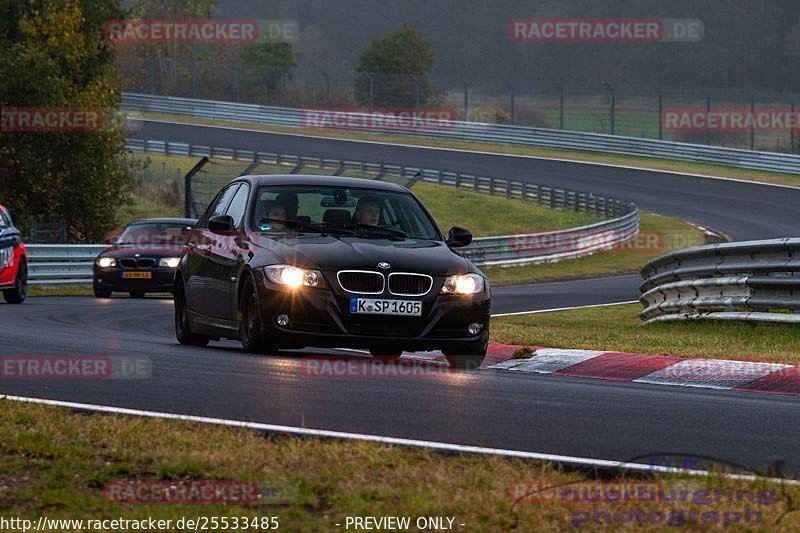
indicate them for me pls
(320, 317)
(111, 279)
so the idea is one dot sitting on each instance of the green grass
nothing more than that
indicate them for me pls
(534, 151)
(667, 233)
(486, 215)
(60, 290)
(618, 328)
(158, 188)
(55, 463)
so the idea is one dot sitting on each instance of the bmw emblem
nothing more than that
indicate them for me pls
(384, 265)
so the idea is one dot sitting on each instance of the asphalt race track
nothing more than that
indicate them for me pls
(583, 418)
(578, 417)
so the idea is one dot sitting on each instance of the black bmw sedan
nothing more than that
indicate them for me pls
(290, 261)
(143, 258)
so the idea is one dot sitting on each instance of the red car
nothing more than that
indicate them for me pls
(13, 261)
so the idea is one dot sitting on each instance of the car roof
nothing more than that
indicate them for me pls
(309, 179)
(165, 220)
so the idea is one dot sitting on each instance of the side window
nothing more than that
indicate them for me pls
(218, 205)
(239, 205)
(4, 222)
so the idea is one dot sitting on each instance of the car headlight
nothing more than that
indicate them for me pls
(171, 262)
(293, 276)
(106, 262)
(464, 284)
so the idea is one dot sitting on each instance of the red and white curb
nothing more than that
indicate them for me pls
(720, 374)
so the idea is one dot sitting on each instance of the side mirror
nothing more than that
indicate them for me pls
(458, 237)
(221, 224)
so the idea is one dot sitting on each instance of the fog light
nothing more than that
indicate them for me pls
(474, 328)
(282, 320)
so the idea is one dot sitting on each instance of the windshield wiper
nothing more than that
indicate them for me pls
(383, 229)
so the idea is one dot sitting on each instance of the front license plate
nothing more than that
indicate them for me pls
(370, 306)
(137, 275)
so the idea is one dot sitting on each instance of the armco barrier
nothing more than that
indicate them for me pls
(473, 131)
(52, 264)
(756, 281)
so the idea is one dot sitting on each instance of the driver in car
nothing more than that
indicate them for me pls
(368, 211)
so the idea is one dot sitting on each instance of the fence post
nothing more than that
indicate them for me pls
(187, 186)
(466, 100)
(513, 114)
(660, 113)
(752, 127)
(612, 111)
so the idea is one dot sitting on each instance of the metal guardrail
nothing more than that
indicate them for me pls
(473, 131)
(754, 281)
(620, 226)
(53, 264)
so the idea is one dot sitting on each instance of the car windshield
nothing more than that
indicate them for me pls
(361, 212)
(155, 234)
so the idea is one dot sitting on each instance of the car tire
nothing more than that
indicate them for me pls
(251, 327)
(470, 356)
(386, 354)
(100, 292)
(183, 330)
(18, 294)
(137, 294)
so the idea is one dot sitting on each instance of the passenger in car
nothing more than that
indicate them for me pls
(290, 203)
(368, 211)
(273, 211)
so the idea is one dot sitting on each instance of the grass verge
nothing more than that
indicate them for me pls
(60, 290)
(534, 151)
(56, 463)
(618, 328)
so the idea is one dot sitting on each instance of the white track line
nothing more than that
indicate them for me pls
(481, 152)
(395, 441)
(538, 311)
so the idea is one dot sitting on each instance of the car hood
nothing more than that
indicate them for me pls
(144, 251)
(332, 253)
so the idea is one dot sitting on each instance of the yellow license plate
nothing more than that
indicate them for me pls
(137, 275)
